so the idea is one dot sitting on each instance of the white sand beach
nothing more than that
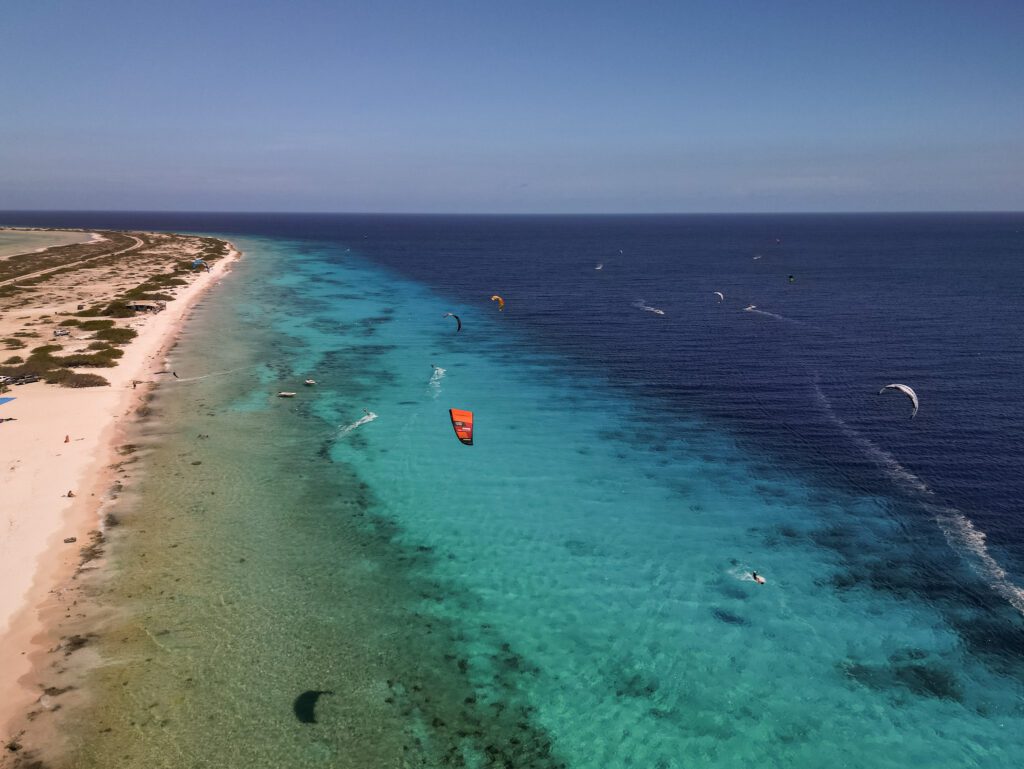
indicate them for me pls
(63, 440)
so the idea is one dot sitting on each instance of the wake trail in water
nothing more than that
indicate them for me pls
(742, 573)
(772, 315)
(184, 380)
(369, 417)
(435, 381)
(966, 539)
(639, 304)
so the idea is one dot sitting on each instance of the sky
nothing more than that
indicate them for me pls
(518, 107)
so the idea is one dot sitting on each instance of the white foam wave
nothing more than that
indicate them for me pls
(963, 536)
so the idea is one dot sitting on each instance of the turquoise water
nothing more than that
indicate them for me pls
(611, 552)
(574, 588)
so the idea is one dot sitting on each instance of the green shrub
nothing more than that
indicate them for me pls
(117, 335)
(14, 359)
(115, 309)
(104, 359)
(118, 309)
(146, 295)
(95, 325)
(46, 349)
(71, 322)
(84, 380)
(57, 375)
(13, 343)
(38, 366)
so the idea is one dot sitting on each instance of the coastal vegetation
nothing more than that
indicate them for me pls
(119, 276)
(58, 369)
(61, 256)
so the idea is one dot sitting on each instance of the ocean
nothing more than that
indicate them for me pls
(334, 580)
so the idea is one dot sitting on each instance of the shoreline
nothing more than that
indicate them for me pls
(38, 468)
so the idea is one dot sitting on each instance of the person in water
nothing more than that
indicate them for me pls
(757, 578)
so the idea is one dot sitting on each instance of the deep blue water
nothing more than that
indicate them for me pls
(631, 466)
(933, 300)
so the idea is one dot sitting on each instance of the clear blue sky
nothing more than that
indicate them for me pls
(517, 106)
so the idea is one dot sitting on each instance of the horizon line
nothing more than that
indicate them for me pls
(909, 212)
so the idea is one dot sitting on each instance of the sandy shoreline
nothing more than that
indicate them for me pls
(65, 439)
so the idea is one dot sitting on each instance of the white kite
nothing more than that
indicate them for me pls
(906, 391)
(720, 295)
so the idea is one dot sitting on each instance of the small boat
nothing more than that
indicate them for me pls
(284, 394)
(310, 382)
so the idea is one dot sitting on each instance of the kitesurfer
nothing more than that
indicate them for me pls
(758, 578)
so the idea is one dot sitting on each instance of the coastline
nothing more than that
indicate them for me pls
(37, 567)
